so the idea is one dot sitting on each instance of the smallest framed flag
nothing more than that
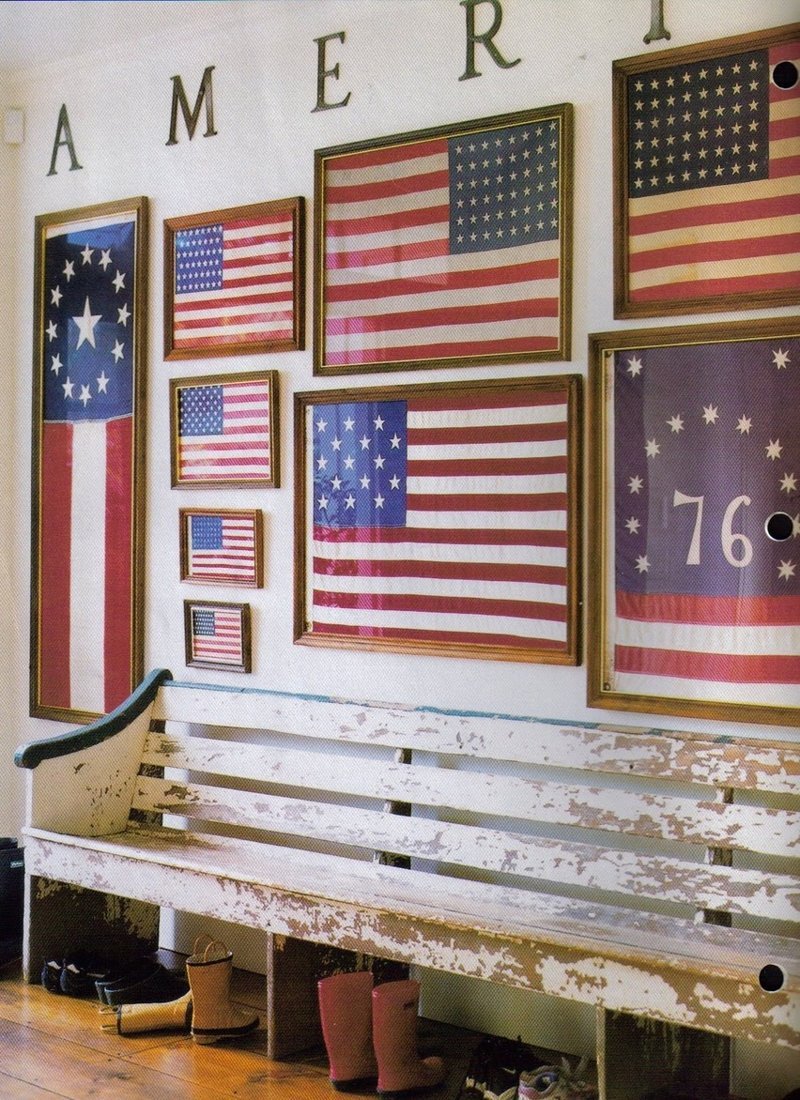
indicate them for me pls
(221, 546)
(224, 430)
(217, 635)
(233, 280)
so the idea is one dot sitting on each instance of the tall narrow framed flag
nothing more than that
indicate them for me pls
(224, 430)
(695, 532)
(707, 183)
(447, 246)
(217, 635)
(233, 280)
(440, 518)
(88, 455)
(222, 546)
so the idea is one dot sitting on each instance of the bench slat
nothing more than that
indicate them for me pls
(585, 866)
(754, 765)
(711, 824)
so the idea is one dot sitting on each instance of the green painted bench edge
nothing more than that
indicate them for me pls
(63, 744)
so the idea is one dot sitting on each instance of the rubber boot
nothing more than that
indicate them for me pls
(134, 1019)
(345, 1009)
(395, 1006)
(214, 1017)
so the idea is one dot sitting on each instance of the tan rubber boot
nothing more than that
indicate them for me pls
(214, 1017)
(134, 1019)
(395, 1006)
(345, 1009)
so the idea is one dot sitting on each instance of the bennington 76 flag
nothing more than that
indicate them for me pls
(706, 481)
(84, 568)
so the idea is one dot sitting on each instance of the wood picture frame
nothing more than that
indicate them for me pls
(447, 246)
(222, 546)
(218, 635)
(224, 430)
(87, 529)
(694, 605)
(706, 186)
(234, 280)
(440, 518)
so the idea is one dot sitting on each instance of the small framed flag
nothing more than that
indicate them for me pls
(695, 488)
(440, 518)
(87, 626)
(233, 280)
(224, 430)
(217, 635)
(221, 546)
(448, 246)
(707, 188)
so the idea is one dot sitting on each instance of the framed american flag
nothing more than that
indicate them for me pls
(217, 635)
(233, 280)
(222, 546)
(707, 188)
(224, 430)
(447, 246)
(695, 530)
(90, 340)
(440, 518)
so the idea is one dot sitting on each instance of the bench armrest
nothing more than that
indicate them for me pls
(33, 753)
(81, 783)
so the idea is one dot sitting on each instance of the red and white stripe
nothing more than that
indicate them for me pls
(483, 556)
(256, 301)
(86, 560)
(737, 649)
(393, 292)
(729, 239)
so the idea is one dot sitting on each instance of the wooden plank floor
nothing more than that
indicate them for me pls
(54, 1046)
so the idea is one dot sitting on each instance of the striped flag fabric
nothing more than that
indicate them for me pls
(707, 522)
(221, 547)
(441, 520)
(446, 247)
(84, 573)
(713, 179)
(234, 282)
(216, 636)
(224, 430)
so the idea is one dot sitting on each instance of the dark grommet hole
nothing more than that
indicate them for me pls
(779, 526)
(784, 75)
(771, 978)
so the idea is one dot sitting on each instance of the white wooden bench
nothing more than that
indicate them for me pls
(640, 871)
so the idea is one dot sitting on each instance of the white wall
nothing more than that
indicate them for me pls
(401, 62)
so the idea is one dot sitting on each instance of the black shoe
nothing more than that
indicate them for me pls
(79, 974)
(51, 975)
(144, 985)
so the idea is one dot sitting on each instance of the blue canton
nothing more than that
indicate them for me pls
(198, 259)
(200, 410)
(504, 187)
(207, 532)
(360, 460)
(204, 624)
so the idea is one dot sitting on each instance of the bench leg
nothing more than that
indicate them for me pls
(61, 919)
(637, 1056)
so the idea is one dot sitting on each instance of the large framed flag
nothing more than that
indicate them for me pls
(233, 280)
(221, 546)
(440, 518)
(707, 176)
(224, 430)
(695, 488)
(88, 455)
(445, 246)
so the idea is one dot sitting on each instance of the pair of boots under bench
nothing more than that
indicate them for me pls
(370, 1033)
